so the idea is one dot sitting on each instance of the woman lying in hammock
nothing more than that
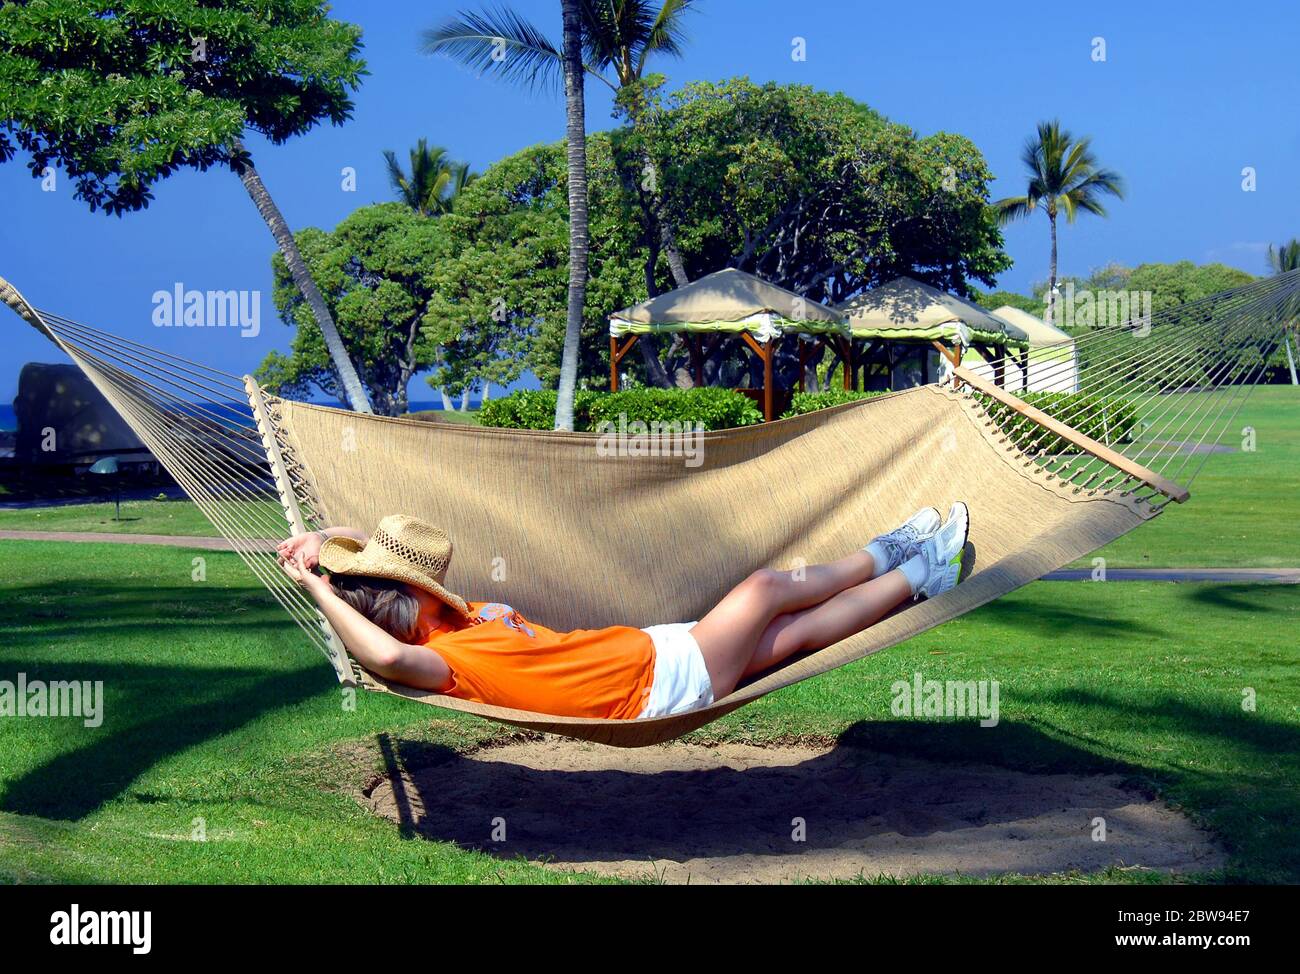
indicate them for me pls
(385, 598)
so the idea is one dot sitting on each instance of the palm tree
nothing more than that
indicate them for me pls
(433, 182)
(575, 134)
(1285, 257)
(619, 39)
(1283, 260)
(353, 391)
(1064, 177)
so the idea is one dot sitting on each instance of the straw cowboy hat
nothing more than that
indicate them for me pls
(402, 548)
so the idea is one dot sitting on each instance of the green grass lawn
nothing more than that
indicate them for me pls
(218, 713)
(177, 517)
(1242, 512)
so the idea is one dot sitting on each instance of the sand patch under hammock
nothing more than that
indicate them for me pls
(726, 813)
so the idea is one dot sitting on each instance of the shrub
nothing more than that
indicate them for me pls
(713, 408)
(808, 402)
(1107, 420)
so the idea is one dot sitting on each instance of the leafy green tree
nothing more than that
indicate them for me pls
(997, 299)
(1282, 260)
(388, 275)
(858, 191)
(819, 193)
(435, 179)
(619, 39)
(1064, 177)
(375, 270)
(507, 279)
(121, 95)
(1172, 285)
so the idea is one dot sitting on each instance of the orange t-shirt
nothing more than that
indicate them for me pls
(501, 658)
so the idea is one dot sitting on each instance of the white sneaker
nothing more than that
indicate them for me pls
(904, 541)
(942, 552)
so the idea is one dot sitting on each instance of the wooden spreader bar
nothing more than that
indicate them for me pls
(1087, 444)
(335, 650)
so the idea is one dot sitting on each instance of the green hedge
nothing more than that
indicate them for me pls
(535, 408)
(809, 402)
(1107, 420)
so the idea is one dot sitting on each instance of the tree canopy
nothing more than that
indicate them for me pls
(123, 94)
(379, 270)
(811, 190)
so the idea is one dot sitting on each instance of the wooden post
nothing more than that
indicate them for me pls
(697, 358)
(953, 355)
(616, 355)
(765, 351)
(846, 351)
(1024, 369)
(803, 364)
(770, 349)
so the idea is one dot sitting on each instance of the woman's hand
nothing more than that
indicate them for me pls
(305, 577)
(302, 549)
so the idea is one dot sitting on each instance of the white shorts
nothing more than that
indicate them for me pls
(681, 681)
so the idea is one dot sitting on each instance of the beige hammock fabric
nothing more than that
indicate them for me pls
(574, 537)
(576, 540)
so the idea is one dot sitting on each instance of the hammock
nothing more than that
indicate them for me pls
(578, 540)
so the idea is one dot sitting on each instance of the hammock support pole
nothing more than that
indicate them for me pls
(1087, 444)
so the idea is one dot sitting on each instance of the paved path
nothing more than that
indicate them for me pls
(1290, 576)
(172, 540)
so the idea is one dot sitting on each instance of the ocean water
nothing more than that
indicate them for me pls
(9, 422)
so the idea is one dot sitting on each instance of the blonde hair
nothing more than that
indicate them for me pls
(387, 603)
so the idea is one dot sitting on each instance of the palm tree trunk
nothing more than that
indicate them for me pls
(1051, 281)
(576, 152)
(353, 391)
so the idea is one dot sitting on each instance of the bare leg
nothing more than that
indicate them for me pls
(729, 633)
(823, 625)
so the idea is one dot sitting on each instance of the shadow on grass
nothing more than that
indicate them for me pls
(1032, 616)
(165, 710)
(122, 634)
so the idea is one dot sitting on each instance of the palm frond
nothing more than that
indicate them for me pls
(1285, 257)
(1014, 208)
(667, 34)
(397, 178)
(500, 41)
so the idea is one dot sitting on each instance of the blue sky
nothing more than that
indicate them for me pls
(1190, 94)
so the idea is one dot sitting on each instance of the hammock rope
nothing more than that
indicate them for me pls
(1066, 472)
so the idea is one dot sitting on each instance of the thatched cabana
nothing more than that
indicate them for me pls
(729, 304)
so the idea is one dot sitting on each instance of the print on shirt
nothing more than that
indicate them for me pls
(499, 610)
